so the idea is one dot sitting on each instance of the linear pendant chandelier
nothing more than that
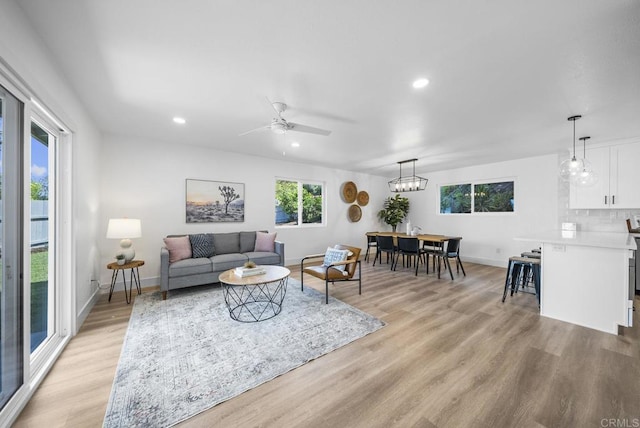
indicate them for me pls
(408, 183)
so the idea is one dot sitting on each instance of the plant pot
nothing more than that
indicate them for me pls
(120, 262)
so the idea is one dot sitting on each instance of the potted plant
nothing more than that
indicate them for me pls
(120, 259)
(395, 210)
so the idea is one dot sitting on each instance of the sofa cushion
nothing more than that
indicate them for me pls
(247, 241)
(222, 262)
(226, 243)
(202, 245)
(265, 241)
(179, 248)
(264, 257)
(190, 267)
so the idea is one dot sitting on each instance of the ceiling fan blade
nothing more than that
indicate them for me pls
(262, 128)
(308, 129)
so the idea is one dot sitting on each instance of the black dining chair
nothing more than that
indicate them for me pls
(385, 245)
(431, 248)
(371, 242)
(409, 247)
(452, 251)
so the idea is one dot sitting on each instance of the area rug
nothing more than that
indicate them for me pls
(184, 355)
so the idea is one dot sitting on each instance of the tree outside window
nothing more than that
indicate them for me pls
(298, 203)
(468, 198)
(455, 199)
(493, 197)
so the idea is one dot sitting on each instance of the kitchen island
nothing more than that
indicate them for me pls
(585, 278)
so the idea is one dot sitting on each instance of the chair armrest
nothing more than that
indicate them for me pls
(164, 269)
(279, 249)
(313, 256)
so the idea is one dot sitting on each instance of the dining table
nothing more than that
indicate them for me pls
(430, 239)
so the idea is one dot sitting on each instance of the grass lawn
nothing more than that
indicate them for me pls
(39, 266)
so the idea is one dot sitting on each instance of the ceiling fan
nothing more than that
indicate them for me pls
(279, 125)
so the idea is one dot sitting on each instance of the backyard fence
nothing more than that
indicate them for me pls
(39, 224)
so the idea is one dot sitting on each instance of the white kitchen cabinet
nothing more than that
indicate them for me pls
(618, 179)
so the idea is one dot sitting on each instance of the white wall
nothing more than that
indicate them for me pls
(30, 60)
(146, 180)
(536, 201)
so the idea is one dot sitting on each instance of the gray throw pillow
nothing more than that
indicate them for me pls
(227, 243)
(247, 241)
(202, 245)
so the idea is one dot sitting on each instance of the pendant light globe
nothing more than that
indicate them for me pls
(571, 167)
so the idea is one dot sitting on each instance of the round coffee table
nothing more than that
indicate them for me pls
(257, 297)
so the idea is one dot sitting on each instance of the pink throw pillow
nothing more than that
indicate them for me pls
(265, 242)
(179, 248)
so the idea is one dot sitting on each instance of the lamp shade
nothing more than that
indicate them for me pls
(121, 228)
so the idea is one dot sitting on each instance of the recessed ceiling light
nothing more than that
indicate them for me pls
(295, 144)
(179, 120)
(420, 83)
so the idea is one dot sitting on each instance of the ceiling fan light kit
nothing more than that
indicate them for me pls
(279, 125)
(408, 183)
(278, 128)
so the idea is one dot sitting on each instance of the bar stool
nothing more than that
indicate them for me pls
(514, 271)
(527, 274)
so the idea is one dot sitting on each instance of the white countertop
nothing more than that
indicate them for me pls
(623, 241)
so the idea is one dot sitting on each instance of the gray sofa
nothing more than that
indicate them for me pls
(231, 250)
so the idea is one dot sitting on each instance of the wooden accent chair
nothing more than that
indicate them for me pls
(329, 273)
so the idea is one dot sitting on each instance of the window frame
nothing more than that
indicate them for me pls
(473, 184)
(300, 184)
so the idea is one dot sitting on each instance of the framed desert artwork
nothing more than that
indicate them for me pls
(214, 201)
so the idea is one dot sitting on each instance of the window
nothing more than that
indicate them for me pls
(455, 199)
(299, 203)
(43, 146)
(468, 198)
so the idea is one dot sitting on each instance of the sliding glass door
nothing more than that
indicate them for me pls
(11, 298)
(42, 234)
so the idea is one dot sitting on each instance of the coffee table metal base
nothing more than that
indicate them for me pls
(255, 302)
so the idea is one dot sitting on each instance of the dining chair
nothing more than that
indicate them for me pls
(410, 247)
(385, 245)
(452, 251)
(371, 242)
(431, 249)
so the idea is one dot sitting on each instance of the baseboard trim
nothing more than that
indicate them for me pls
(144, 283)
(485, 261)
(86, 309)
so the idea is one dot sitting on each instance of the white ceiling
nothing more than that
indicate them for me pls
(504, 74)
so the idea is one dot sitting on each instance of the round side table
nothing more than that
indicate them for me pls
(134, 276)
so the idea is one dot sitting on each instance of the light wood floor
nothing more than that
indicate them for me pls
(451, 355)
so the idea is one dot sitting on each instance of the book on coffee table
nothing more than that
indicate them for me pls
(243, 271)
